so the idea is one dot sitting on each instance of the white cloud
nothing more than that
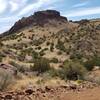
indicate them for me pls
(35, 6)
(17, 4)
(8, 19)
(80, 4)
(14, 6)
(30, 7)
(3, 6)
(4, 28)
(7, 22)
(83, 12)
(19, 8)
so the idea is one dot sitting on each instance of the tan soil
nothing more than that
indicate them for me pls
(49, 93)
(90, 94)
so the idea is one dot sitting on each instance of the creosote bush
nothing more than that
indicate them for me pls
(72, 71)
(52, 47)
(95, 61)
(60, 46)
(54, 60)
(41, 65)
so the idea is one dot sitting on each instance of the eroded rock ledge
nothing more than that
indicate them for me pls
(39, 18)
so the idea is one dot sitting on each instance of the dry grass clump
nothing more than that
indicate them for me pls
(6, 79)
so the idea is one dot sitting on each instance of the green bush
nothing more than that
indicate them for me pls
(54, 60)
(1, 44)
(19, 67)
(52, 47)
(76, 56)
(48, 43)
(35, 55)
(72, 70)
(41, 65)
(53, 72)
(39, 48)
(60, 46)
(1, 59)
(41, 53)
(95, 61)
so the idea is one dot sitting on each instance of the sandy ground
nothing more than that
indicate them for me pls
(90, 94)
(87, 94)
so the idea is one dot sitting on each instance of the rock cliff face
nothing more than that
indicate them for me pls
(39, 18)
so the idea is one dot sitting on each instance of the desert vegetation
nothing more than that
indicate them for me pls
(52, 51)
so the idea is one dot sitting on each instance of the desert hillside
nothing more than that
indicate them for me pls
(46, 49)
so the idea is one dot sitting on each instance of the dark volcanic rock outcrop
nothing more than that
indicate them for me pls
(39, 18)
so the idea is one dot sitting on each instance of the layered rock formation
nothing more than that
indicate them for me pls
(39, 18)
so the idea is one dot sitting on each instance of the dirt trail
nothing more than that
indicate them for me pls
(59, 93)
(89, 94)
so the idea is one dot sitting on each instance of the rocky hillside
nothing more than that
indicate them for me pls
(41, 32)
(45, 49)
(52, 36)
(38, 19)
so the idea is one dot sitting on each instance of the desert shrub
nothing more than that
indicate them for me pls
(40, 81)
(21, 56)
(53, 72)
(89, 65)
(41, 53)
(39, 48)
(92, 78)
(38, 42)
(59, 53)
(76, 56)
(52, 47)
(41, 65)
(98, 27)
(28, 51)
(60, 46)
(1, 44)
(95, 61)
(31, 30)
(35, 55)
(1, 58)
(48, 43)
(6, 79)
(54, 60)
(19, 39)
(72, 70)
(19, 67)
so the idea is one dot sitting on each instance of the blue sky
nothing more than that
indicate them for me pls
(12, 10)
